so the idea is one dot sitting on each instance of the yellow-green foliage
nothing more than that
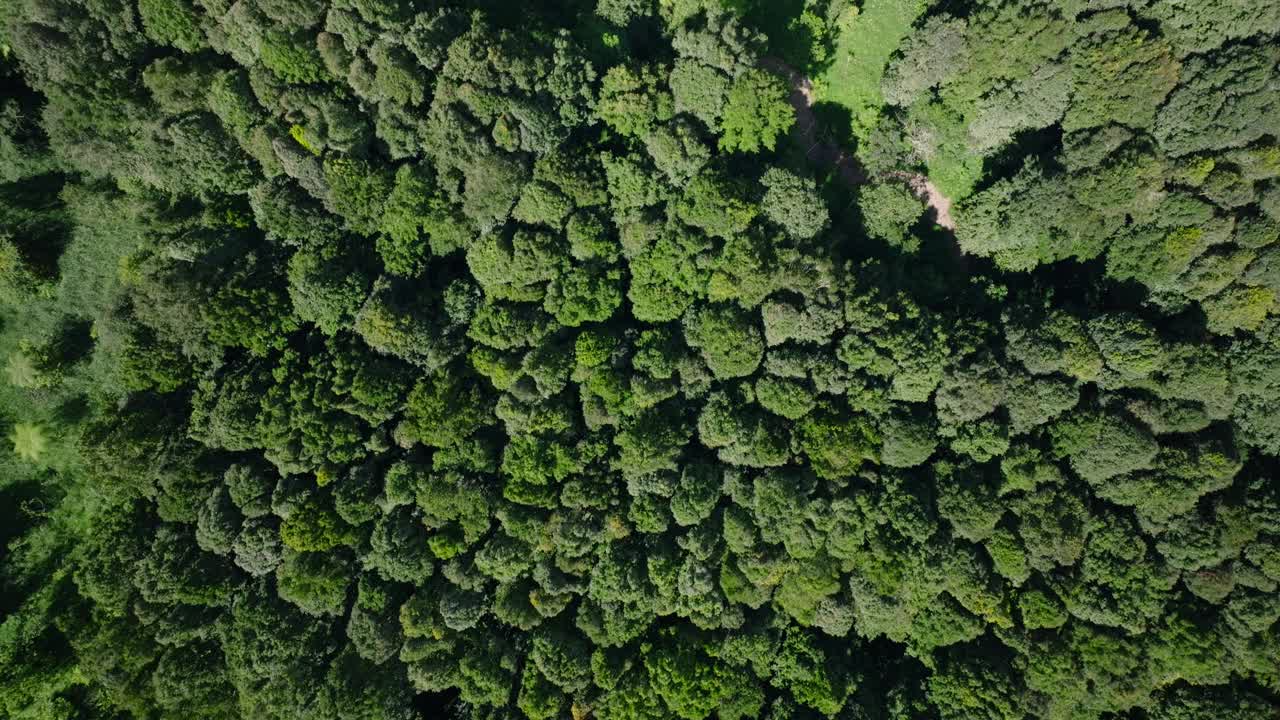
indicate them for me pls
(299, 135)
(1238, 308)
(29, 441)
(1194, 170)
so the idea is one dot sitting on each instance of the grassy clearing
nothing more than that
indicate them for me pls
(867, 38)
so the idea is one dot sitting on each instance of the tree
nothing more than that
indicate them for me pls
(173, 22)
(399, 549)
(665, 277)
(786, 397)
(292, 57)
(416, 222)
(1114, 557)
(193, 676)
(585, 295)
(1051, 524)
(394, 322)
(235, 312)
(740, 435)
(1040, 610)
(317, 583)
(699, 90)
(1101, 446)
(677, 151)
(793, 203)
(889, 211)
(1034, 402)
(327, 285)
(1057, 343)
(813, 678)
(29, 441)
(218, 524)
(970, 392)
(1202, 114)
(632, 100)
(716, 205)
(258, 550)
(1026, 220)
(367, 358)
(314, 527)
(728, 339)
(756, 112)
(1191, 703)
(652, 441)
(447, 406)
(692, 685)
(174, 570)
(358, 192)
(1113, 82)
(1129, 347)
(534, 468)
(1238, 308)
(973, 689)
(929, 58)
(909, 439)
(696, 495)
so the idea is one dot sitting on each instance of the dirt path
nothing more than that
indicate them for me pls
(928, 192)
(819, 151)
(825, 152)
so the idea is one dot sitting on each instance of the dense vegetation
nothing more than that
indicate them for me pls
(379, 359)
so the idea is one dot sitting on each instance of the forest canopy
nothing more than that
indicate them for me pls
(640, 359)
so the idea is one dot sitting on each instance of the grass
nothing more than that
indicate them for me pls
(867, 39)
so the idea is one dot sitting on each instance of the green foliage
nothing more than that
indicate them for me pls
(379, 359)
(446, 407)
(172, 22)
(909, 439)
(633, 101)
(665, 279)
(414, 219)
(314, 528)
(1103, 445)
(316, 582)
(728, 339)
(716, 205)
(357, 191)
(1121, 74)
(889, 211)
(327, 284)
(969, 689)
(586, 295)
(793, 203)
(699, 90)
(693, 686)
(1221, 102)
(814, 679)
(1040, 610)
(293, 57)
(1238, 308)
(29, 441)
(867, 38)
(756, 112)
(836, 443)
(1129, 347)
(784, 396)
